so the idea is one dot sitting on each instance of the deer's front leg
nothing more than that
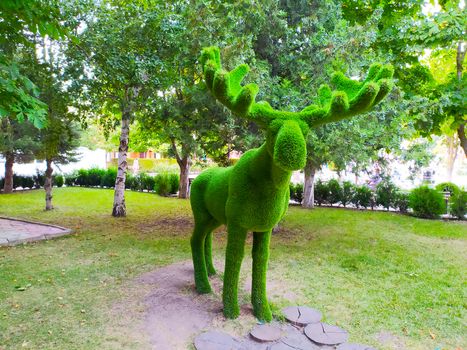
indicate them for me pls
(260, 254)
(233, 261)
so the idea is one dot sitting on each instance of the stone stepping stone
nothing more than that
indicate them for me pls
(349, 346)
(301, 315)
(296, 340)
(266, 332)
(214, 340)
(323, 333)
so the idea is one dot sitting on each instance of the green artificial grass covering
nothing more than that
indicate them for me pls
(253, 194)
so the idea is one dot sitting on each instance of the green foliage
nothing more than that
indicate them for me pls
(458, 205)
(22, 21)
(386, 194)
(450, 187)
(70, 179)
(23, 181)
(426, 202)
(401, 201)
(174, 183)
(335, 191)
(163, 184)
(109, 177)
(130, 182)
(348, 193)
(296, 192)
(58, 180)
(321, 192)
(93, 177)
(39, 179)
(363, 197)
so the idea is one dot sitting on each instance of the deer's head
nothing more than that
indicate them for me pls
(286, 131)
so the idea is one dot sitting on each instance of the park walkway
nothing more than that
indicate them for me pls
(14, 231)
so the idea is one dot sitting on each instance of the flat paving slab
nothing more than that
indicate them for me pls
(15, 231)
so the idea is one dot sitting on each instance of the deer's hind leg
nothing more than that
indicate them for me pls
(203, 229)
(208, 254)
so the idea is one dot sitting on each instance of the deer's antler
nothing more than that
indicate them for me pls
(349, 98)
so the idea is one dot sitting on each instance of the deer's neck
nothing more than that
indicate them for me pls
(265, 167)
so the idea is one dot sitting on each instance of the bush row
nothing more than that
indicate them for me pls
(33, 181)
(424, 201)
(163, 184)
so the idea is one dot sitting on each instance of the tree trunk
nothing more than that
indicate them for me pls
(184, 188)
(459, 65)
(48, 185)
(452, 155)
(8, 184)
(309, 186)
(119, 208)
(462, 138)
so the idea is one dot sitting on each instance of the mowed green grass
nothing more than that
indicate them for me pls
(376, 274)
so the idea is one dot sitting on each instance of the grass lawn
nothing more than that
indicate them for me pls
(376, 274)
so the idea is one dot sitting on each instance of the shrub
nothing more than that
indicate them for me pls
(450, 187)
(458, 205)
(321, 192)
(94, 177)
(58, 180)
(109, 177)
(82, 178)
(39, 179)
(401, 201)
(17, 181)
(146, 182)
(335, 191)
(299, 193)
(70, 179)
(348, 192)
(2, 183)
(386, 194)
(363, 197)
(162, 184)
(426, 202)
(174, 183)
(296, 192)
(130, 182)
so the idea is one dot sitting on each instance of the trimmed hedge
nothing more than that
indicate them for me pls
(458, 205)
(426, 202)
(164, 184)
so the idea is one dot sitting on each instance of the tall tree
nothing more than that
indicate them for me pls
(18, 142)
(116, 66)
(181, 115)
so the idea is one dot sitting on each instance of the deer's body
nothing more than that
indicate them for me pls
(253, 195)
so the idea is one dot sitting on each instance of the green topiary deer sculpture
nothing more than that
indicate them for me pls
(254, 194)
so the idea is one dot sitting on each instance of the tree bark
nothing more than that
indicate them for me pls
(8, 184)
(48, 185)
(309, 186)
(462, 138)
(452, 155)
(119, 207)
(459, 65)
(184, 162)
(184, 188)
